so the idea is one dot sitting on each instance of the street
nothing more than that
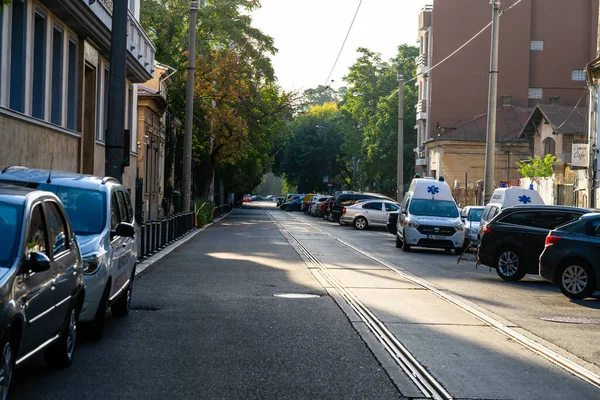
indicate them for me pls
(220, 318)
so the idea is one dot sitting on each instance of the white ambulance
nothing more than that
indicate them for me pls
(429, 217)
(504, 197)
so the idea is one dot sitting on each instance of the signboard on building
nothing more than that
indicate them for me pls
(580, 156)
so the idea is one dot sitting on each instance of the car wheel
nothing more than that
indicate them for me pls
(360, 223)
(121, 306)
(330, 217)
(95, 328)
(508, 265)
(7, 365)
(405, 246)
(286, 208)
(577, 280)
(60, 354)
(448, 251)
(398, 242)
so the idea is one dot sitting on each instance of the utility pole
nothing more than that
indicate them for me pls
(189, 111)
(490, 148)
(400, 166)
(115, 129)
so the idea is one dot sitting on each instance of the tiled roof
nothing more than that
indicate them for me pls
(146, 91)
(563, 119)
(509, 124)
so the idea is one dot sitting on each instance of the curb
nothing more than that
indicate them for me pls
(144, 265)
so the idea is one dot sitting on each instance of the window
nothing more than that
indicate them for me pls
(536, 93)
(114, 211)
(123, 207)
(99, 135)
(106, 86)
(434, 208)
(36, 238)
(540, 219)
(57, 76)
(72, 87)
(17, 59)
(578, 75)
(537, 45)
(549, 146)
(391, 207)
(59, 240)
(130, 108)
(10, 232)
(373, 206)
(346, 200)
(38, 100)
(595, 228)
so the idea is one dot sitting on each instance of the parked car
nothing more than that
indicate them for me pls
(320, 212)
(315, 208)
(101, 214)
(306, 202)
(345, 199)
(429, 217)
(280, 201)
(570, 257)
(271, 198)
(294, 205)
(471, 217)
(513, 241)
(327, 209)
(41, 281)
(247, 198)
(368, 213)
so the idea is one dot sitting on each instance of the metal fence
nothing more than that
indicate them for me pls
(222, 209)
(156, 235)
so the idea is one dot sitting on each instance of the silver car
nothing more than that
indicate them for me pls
(375, 212)
(471, 217)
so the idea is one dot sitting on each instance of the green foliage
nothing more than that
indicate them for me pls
(537, 167)
(204, 211)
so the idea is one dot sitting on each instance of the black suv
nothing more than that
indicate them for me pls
(345, 199)
(41, 280)
(514, 239)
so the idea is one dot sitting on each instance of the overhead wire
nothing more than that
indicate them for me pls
(455, 51)
(344, 43)
(574, 109)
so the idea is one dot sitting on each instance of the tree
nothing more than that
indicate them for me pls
(537, 167)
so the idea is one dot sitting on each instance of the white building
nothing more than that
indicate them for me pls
(54, 75)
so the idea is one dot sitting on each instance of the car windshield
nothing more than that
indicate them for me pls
(10, 231)
(475, 214)
(86, 208)
(434, 208)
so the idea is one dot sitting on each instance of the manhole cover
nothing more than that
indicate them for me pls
(572, 320)
(296, 295)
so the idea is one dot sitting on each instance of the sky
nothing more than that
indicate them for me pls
(310, 33)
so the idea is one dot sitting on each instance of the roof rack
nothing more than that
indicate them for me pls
(110, 179)
(13, 168)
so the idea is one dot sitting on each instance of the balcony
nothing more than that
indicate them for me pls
(425, 18)
(422, 64)
(421, 110)
(93, 19)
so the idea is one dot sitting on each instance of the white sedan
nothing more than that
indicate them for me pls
(373, 212)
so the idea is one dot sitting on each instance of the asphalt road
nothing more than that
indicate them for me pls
(206, 324)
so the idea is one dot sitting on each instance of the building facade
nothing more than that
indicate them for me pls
(544, 47)
(54, 81)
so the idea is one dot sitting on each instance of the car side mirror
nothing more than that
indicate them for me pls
(124, 229)
(37, 262)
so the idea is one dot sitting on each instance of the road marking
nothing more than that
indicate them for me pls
(534, 346)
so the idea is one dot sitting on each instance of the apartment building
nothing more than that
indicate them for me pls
(543, 50)
(54, 80)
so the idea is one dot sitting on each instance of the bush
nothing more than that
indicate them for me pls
(204, 211)
(537, 167)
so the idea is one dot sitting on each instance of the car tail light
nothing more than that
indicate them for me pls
(486, 229)
(344, 210)
(552, 240)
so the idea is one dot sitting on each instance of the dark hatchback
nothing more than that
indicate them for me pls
(293, 205)
(514, 239)
(570, 257)
(345, 199)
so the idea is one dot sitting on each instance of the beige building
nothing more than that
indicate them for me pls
(54, 79)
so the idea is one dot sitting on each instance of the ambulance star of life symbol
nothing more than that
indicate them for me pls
(437, 230)
(525, 199)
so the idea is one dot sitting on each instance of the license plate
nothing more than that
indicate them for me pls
(438, 237)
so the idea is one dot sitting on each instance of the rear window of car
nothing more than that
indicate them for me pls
(373, 206)
(540, 219)
(10, 232)
(345, 200)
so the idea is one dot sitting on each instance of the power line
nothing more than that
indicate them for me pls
(344, 43)
(455, 51)
(574, 109)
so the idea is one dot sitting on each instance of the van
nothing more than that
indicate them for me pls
(504, 197)
(429, 217)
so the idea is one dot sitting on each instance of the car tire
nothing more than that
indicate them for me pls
(405, 246)
(95, 328)
(7, 364)
(576, 279)
(60, 353)
(508, 265)
(121, 306)
(398, 242)
(286, 208)
(360, 223)
(330, 217)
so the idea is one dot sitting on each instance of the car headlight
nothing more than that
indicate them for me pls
(459, 227)
(92, 262)
(413, 224)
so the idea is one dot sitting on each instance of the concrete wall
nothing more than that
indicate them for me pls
(34, 145)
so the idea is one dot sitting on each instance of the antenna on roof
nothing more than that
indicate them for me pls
(48, 181)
